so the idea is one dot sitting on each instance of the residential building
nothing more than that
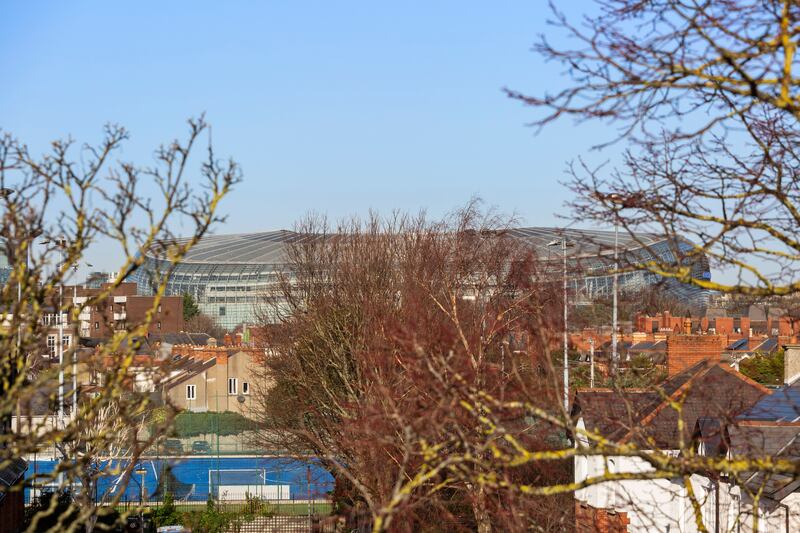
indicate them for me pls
(706, 388)
(124, 307)
(213, 378)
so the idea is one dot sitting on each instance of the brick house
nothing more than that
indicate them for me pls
(123, 307)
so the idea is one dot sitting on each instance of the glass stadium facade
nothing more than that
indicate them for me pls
(230, 275)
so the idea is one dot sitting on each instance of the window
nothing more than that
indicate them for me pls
(51, 343)
(97, 325)
(245, 387)
(159, 324)
(159, 308)
(222, 310)
(191, 392)
(233, 385)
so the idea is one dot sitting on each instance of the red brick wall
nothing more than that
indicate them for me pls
(744, 324)
(135, 308)
(723, 325)
(11, 512)
(787, 326)
(684, 351)
(590, 519)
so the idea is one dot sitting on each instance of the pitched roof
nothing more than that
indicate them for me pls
(11, 473)
(783, 405)
(646, 415)
(766, 439)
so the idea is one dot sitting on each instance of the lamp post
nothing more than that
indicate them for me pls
(619, 202)
(141, 471)
(614, 327)
(564, 243)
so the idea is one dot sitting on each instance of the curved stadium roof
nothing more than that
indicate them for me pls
(269, 247)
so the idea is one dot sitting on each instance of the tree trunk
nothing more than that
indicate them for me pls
(480, 512)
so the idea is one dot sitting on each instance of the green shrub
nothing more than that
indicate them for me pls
(765, 369)
(211, 520)
(167, 514)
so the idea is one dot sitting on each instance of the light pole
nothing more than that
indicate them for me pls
(591, 362)
(563, 242)
(614, 327)
(141, 471)
(619, 203)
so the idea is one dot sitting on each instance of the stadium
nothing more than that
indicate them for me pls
(229, 275)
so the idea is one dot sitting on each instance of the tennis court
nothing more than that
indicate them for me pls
(192, 479)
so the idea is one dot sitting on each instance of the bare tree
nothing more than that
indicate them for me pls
(74, 198)
(706, 96)
(706, 100)
(383, 326)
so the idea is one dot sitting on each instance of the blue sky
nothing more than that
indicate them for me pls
(335, 107)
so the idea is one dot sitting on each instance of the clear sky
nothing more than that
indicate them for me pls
(335, 107)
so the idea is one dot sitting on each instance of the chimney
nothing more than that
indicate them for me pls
(211, 342)
(685, 351)
(791, 363)
(687, 325)
(227, 340)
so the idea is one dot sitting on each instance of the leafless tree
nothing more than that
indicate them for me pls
(706, 98)
(74, 198)
(385, 324)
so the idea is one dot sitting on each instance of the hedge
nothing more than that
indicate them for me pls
(189, 424)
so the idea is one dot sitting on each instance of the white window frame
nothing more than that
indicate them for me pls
(233, 386)
(191, 392)
(245, 387)
(51, 345)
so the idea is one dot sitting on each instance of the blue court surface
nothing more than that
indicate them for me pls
(192, 478)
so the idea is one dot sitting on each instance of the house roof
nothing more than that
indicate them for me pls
(703, 390)
(764, 439)
(649, 346)
(188, 366)
(783, 405)
(11, 473)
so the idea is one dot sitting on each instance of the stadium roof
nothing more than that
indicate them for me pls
(270, 247)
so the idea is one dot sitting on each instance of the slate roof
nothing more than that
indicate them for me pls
(766, 439)
(649, 346)
(783, 405)
(707, 390)
(11, 474)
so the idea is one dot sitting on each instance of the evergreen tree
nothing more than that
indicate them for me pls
(190, 308)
